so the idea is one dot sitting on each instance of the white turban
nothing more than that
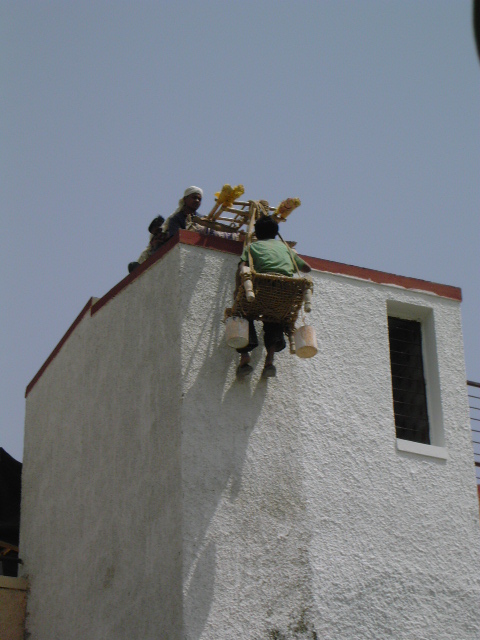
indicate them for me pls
(187, 192)
(191, 190)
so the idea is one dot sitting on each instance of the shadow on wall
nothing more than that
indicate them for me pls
(220, 418)
(225, 436)
(200, 582)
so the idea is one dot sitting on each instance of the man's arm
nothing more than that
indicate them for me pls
(301, 264)
(172, 224)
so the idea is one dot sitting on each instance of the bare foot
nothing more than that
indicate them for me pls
(244, 369)
(244, 359)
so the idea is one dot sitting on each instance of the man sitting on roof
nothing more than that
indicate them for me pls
(181, 217)
(157, 238)
(269, 256)
(161, 230)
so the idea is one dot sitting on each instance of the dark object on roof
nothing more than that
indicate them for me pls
(476, 24)
(10, 493)
(156, 223)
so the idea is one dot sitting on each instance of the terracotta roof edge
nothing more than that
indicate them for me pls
(60, 344)
(235, 247)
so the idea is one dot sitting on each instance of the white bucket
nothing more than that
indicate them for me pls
(306, 342)
(236, 332)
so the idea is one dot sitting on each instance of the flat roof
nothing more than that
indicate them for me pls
(235, 247)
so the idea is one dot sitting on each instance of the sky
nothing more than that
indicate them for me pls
(367, 110)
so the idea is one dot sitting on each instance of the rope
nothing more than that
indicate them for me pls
(292, 257)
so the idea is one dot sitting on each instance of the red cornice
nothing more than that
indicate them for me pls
(184, 237)
(380, 277)
(234, 247)
(68, 333)
(158, 255)
(211, 242)
(328, 266)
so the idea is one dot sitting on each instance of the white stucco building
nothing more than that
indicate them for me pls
(165, 500)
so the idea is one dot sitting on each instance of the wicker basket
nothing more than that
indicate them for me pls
(277, 299)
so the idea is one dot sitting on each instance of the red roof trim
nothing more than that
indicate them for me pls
(211, 242)
(380, 277)
(234, 247)
(68, 333)
(328, 266)
(158, 255)
(184, 237)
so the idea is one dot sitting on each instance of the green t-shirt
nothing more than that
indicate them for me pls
(272, 256)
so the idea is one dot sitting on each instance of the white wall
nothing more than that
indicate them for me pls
(299, 512)
(101, 522)
(282, 508)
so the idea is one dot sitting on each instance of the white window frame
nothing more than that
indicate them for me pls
(426, 317)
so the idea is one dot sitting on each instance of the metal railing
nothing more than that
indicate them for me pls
(474, 404)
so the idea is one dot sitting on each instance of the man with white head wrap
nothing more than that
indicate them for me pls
(187, 207)
(180, 219)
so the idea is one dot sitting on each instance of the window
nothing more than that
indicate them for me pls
(408, 380)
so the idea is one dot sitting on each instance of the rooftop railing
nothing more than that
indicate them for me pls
(474, 404)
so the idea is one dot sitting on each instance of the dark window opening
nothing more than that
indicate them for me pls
(408, 382)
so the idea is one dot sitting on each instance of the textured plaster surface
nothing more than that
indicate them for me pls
(165, 499)
(300, 517)
(101, 514)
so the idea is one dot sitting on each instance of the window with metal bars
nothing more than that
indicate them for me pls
(408, 381)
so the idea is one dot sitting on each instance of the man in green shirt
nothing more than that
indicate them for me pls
(269, 255)
(272, 256)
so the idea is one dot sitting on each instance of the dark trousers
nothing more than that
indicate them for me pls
(272, 336)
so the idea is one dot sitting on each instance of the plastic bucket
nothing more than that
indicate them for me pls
(306, 342)
(236, 332)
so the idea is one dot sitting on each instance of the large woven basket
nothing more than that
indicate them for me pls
(277, 299)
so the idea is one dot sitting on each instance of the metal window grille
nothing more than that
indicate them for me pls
(408, 381)
(474, 405)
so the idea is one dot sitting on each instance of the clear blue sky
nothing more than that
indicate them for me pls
(367, 110)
